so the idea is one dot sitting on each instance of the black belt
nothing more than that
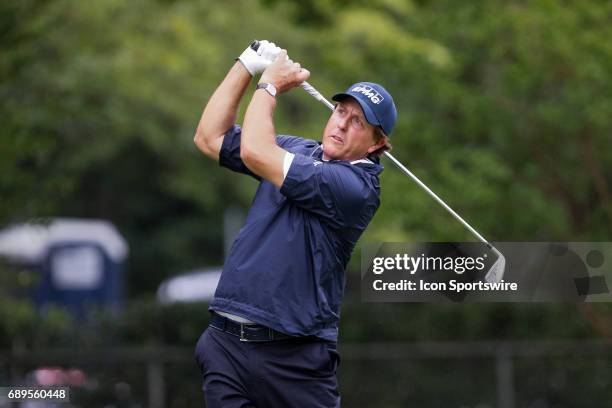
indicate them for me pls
(247, 331)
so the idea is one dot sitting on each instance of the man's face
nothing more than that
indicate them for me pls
(348, 135)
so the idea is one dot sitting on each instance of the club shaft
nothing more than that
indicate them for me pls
(318, 96)
(434, 196)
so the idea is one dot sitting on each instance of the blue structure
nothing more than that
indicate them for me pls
(79, 262)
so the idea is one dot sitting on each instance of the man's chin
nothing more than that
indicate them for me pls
(330, 154)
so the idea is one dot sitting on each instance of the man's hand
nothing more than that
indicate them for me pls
(256, 61)
(284, 74)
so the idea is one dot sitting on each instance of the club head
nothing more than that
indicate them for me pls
(496, 273)
(493, 256)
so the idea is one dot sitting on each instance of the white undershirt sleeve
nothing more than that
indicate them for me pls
(287, 163)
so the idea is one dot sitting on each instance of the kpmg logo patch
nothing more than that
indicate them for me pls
(370, 92)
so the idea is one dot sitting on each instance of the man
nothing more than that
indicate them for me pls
(274, 327)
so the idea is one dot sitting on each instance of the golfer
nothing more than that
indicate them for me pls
(274, 325)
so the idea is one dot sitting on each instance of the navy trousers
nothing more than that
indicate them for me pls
(284, 373)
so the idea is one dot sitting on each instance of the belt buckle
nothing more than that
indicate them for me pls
(242, 338)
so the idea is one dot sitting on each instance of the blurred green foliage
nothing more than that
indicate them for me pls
(505, 112)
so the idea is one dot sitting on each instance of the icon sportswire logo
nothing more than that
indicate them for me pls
(370, 92)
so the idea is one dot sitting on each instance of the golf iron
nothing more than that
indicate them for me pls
(496, 272)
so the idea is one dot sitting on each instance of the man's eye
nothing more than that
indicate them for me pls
(357, 122)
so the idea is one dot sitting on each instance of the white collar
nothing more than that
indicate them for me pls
(368, 161)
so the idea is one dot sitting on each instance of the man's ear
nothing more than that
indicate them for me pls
(377, 145)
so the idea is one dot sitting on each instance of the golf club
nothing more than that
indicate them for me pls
(496, 273)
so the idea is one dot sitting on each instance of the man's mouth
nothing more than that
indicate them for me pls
(337, 139)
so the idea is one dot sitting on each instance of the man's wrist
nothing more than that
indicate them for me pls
(240, 66)
(268, 87)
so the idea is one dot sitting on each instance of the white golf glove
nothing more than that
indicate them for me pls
(256, 61)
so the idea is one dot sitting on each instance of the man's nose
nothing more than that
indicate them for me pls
(343, 123)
